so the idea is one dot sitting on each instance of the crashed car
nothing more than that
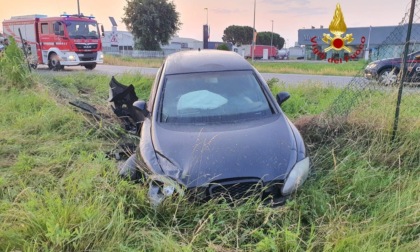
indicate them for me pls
(212, 129)
(386, 71)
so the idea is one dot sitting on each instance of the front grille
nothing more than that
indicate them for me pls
(86, 46)
(235, 190)
(87, 56)
(240, 190)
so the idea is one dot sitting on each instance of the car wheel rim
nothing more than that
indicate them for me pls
(54, 62)
(388, 78)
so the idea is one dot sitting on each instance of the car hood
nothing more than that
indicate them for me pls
(387, 60)
(198, 155)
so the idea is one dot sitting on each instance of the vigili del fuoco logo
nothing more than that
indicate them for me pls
(337, 42)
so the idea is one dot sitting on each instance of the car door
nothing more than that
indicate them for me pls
(413, 67)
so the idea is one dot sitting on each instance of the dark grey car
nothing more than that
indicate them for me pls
(212, 128)
(387, 71)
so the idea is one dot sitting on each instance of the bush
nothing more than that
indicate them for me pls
(223, 47)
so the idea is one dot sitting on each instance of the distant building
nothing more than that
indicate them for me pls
(296, 52)
(116, 41)
(373, 46)
(184, 43)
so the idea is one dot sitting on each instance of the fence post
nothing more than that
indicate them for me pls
(404, 71)
(24, 50)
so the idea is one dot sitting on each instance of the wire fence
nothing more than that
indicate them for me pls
(386, 85)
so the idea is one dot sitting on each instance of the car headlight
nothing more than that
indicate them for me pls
(372, 65)
(101, 56)
(161, 187)
(71, 58)
(297, 176)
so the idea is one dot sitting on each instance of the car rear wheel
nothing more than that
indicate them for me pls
(388, 76)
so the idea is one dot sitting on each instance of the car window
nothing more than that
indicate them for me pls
(213, 97)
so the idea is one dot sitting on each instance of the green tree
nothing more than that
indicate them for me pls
(223, 47)
(264, 38)
(238, 35)
(152, 22)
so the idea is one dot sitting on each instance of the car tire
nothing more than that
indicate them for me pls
(90, 66)
(388, 76)
(54, 62)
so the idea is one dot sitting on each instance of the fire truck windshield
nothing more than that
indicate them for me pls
(82, 30)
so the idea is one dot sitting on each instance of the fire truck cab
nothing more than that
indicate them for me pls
(68, 40)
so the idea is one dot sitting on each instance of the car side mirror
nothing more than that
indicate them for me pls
(282, 97)
(141, 107)
(102, 31)
(140, 112)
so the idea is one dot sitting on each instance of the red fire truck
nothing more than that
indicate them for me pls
(68, 40)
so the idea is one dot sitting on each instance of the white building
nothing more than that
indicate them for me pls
(117, 41)
(122, 42)
(184, 43)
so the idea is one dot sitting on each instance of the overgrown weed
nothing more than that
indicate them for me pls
(14, 72)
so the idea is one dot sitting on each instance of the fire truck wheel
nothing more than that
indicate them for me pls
(54, 62)
(90, 66)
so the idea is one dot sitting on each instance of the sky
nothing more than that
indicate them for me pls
(284, 17)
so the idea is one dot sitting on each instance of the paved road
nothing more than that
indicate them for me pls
(288, 79)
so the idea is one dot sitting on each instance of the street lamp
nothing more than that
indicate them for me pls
(271, 45)
(78, 8)
(253, 33)
(206, 31)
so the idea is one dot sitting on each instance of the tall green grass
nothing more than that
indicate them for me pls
(130, 61)
(14, 71)
(59, 191)
(351, 68)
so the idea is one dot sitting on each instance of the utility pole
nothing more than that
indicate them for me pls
(207, 16)
(206, 31)
(254, 38)
(271, 45)
(78, 8)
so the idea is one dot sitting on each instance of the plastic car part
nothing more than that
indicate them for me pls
(161, 187)
(123, 98)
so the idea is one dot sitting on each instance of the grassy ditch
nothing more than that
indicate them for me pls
(59, 191)
(350, 68)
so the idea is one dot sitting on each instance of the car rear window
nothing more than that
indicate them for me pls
(213, 97)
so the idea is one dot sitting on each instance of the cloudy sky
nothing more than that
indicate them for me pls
(288, 15)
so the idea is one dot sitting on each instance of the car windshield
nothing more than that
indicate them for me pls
(82, 30)
(213, 97)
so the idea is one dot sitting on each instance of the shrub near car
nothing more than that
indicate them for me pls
(386, 71)
(212, 128)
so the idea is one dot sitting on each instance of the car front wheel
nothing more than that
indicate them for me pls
(54, 62)
(90, 66)
(388, 76)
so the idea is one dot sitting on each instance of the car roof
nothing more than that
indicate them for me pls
(205, 61)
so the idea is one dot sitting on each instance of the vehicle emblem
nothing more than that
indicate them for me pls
(338, 27)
